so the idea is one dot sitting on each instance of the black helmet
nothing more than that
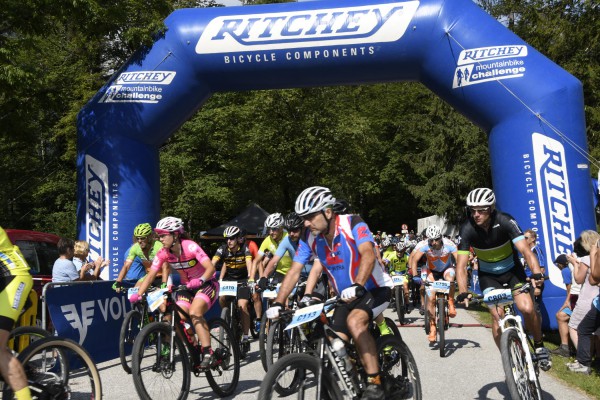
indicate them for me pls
(341, 206)
(292, 221)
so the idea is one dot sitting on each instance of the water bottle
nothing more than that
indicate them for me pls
(340, 351)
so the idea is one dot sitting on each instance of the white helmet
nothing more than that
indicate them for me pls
(386, 242)
(481, 197)
(231, 232)
(169, 225)
(433, 232)
(274, 221)
(314, 199)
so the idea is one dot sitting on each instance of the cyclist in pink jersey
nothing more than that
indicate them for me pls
(197, 273)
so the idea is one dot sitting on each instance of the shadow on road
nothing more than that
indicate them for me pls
(454, 344)
(488, 390)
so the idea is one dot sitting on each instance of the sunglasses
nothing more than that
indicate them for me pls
(481, 210)
(141, 239)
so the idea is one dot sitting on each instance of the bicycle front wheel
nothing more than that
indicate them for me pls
(301, 372)
(132, 324)
(398, 369)
(224, 375)
(160, 371)
(400, 306)
(517, 369)
(59, 368)
(441, 324)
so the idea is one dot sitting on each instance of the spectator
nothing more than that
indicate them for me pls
(564, 313)
(80, 257)
(65, 271)
(531, 238)
(584, 306)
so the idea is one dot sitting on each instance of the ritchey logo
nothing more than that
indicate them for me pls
(155, 77)
(374, 23)
(470, 56)
(96, 218)
(554, 198)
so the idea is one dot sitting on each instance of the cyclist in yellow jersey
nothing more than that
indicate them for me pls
(15, 285)
(274, 223)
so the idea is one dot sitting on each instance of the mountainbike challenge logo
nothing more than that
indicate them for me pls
(138, 87)
(485, 64)
(554, 197)
(97, 213)
(349, 28)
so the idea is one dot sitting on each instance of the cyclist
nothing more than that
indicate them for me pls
(397, 264)
(496, 240)
(344, 246)
(293, 224)
(15, 285)
(439, 252)
(274, 224)
(237, 261)
(196, 272)
(144, 249)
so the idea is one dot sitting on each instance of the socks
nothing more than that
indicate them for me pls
(374, 379)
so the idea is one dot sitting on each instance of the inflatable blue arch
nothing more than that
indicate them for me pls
(531, 109)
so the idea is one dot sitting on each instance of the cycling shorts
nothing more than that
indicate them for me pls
(513, 278)
(209, 292)
(437, 275)
(367, 303)
(14, 291)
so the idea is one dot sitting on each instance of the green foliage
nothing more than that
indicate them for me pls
(395, 151)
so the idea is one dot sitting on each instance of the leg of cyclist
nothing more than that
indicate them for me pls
(450, 276)
(203, 301)
(533, 325)
(243, 304)
(12, 370)
(431, 309)
(406, 295)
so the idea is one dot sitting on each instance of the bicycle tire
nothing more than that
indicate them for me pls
(515, 366)
(274, 341)
(426, 316)
(43, 380)
(400, 375)
(152, 371)
(21, 337)
(130, 328)
(441, 322)
(306, 366)
(252, 313)
(400, 306)
(227, 355)
(265, 323)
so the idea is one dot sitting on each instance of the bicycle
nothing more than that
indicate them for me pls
(269, 294)
(442, 321)
(58, 368)
(165, 355)
(132, 324)
(398, 295)
(519, 361)
(303, 373)
(232, 314)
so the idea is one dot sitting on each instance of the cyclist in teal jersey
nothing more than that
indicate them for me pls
(496, 240)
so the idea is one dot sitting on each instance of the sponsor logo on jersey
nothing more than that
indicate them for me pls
(97, 213)
(485, 64)
(374, 23)
(554, 198)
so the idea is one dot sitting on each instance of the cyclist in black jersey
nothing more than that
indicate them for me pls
(496, 239)
(237, 261)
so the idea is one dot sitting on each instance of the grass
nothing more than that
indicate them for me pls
(590, 384)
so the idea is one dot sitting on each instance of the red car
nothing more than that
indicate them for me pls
(40, 251)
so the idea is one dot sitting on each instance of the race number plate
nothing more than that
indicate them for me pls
(398, 279)
(271, 294)
(156, 298)
(228, 288)
(498, 297)
(441, 286)
(304, 315)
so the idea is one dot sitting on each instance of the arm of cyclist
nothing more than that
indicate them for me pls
(209, 271)
(286, 288)
(313, 277)
(256, 265)
(413, 259)
(365, 268)
(270, 267)
(462, 277)
(146, 283)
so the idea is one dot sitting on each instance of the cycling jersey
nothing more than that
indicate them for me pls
(15, 282)
(397, 264)
(342, 260)
(284, 264)
(289, 247)
(495, 247)
(234, 260)
(188, 265)
(437, 260)
(136, 251)
(388, 252)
